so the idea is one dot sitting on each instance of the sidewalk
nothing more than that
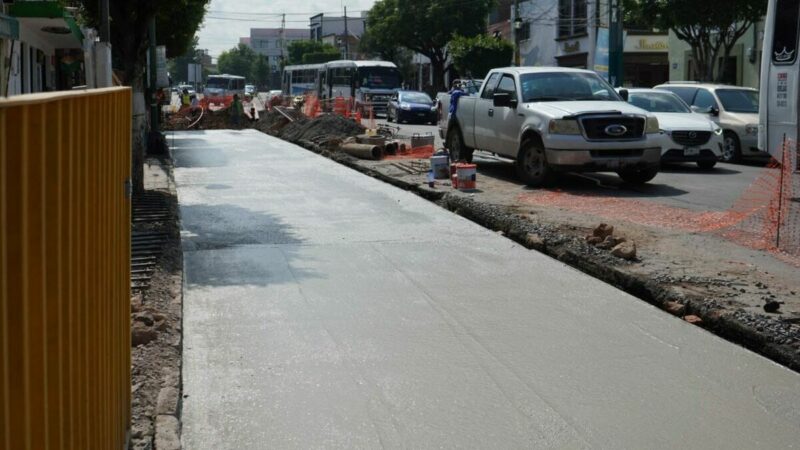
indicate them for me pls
(326, 309)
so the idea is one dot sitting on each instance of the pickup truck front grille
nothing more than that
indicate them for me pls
(691, 138)
(611, 128)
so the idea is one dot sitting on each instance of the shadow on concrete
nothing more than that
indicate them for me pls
(600, 184)
(188, 153)
(227, 245)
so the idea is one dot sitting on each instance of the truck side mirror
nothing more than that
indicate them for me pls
(624, 94)
(504, 100)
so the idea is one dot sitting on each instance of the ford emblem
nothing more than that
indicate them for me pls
(616, 130)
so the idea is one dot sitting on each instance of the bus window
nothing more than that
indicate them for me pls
(784, 44)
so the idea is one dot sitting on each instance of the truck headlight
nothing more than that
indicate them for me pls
(652, 125)
(564, 126)
(751, 129)
(405, 106)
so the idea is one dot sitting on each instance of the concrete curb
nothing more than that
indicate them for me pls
(725, 324)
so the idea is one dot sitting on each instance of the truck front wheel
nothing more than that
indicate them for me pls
(455, 145)
(638, 176)
(532, 165)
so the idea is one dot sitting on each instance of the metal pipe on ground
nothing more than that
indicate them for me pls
(363, 151)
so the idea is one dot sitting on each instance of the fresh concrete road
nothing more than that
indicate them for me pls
(324, 309)
(679, 185)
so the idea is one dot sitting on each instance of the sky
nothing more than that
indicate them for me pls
(228, 20)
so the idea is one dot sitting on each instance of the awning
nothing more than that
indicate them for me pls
(9, 27)
(50, 16)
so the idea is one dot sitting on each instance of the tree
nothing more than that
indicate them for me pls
(177, 22)
(179, 66)
(476, 56)
(260, 71)
(299, 49)
(238, 61)
(425, 26)
(711, 27)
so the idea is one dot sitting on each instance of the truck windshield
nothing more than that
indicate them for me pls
(565, 86)
(658, 102)
(738, 100)
(379, 77)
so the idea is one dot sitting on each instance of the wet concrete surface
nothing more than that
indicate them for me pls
(324, 308)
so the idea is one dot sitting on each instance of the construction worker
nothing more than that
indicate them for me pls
(186, 101)
(455, 93)
(236, 110)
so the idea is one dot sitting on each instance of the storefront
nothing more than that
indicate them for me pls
(646, 60)
(574, 53)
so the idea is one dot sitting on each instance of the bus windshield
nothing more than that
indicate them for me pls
(379, 77)
(738, 100)
(217, 83)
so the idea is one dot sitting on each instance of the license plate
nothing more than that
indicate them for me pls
(691, 151)
(421, 114)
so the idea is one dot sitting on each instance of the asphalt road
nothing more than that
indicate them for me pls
(325, 309)
(681, 185)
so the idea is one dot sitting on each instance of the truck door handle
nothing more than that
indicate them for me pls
(491, 112)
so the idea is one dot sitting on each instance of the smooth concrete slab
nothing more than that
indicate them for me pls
(325, 309)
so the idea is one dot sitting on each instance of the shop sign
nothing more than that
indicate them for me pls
(647, 44)
(572, 47)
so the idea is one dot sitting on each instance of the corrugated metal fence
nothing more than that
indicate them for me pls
(64, 270)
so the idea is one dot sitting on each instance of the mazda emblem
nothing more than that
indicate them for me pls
(616, 130)
(692, 135)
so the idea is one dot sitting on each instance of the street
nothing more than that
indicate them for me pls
(678, 185)
(323, 308)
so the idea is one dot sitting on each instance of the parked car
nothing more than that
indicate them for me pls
(733, 108)
(555, 119)
(693, 137)
(411, 106)
(249, 89)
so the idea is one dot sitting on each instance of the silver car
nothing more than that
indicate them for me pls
(692, 136)
(733, 108)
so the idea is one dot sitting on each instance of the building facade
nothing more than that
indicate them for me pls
(322, 25)
(565, 33)
(273, 42)
(742, 68)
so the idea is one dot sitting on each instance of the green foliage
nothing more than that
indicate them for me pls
(710, 27)
(299, 49)
(260, 71)
(237, 61)
(476, 56)
(424, 26)
(322, 57)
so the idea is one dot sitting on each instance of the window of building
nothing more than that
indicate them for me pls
(525, 31)
(572, 16)
(784, 39)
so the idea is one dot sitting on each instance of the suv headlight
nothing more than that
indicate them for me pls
(652, 125)
(564, 126)
(718, 131)
(751, 129)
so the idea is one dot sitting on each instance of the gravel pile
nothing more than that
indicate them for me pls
(331, 126)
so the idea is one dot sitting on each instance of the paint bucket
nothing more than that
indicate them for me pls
(440, 167)
(467, 174)
(454, 181)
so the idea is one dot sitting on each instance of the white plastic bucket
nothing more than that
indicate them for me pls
(440, 166)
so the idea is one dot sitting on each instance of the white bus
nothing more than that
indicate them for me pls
(367, 82)
(301, 79)
(221, 87)
(780, 77)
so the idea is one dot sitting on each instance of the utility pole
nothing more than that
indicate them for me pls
(105, 29)
(517, 28)
(616, 41)
(102, 51)
(151, 37)
(346, 36)
(276, 76)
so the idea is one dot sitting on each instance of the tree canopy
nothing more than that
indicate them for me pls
(311, 52)
(424, 26)
(476, 56)
(710, 27)
(237, 61)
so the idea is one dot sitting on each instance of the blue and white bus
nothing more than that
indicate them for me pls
(368, 83)
(780, 78)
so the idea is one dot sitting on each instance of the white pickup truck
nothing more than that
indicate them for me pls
(554, 119)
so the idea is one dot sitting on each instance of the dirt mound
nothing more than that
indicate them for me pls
(210, 120)
(330, 126)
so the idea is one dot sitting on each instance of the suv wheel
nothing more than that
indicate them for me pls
(638, 176)
(731, 148)
(532, 165)
(455, 145)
